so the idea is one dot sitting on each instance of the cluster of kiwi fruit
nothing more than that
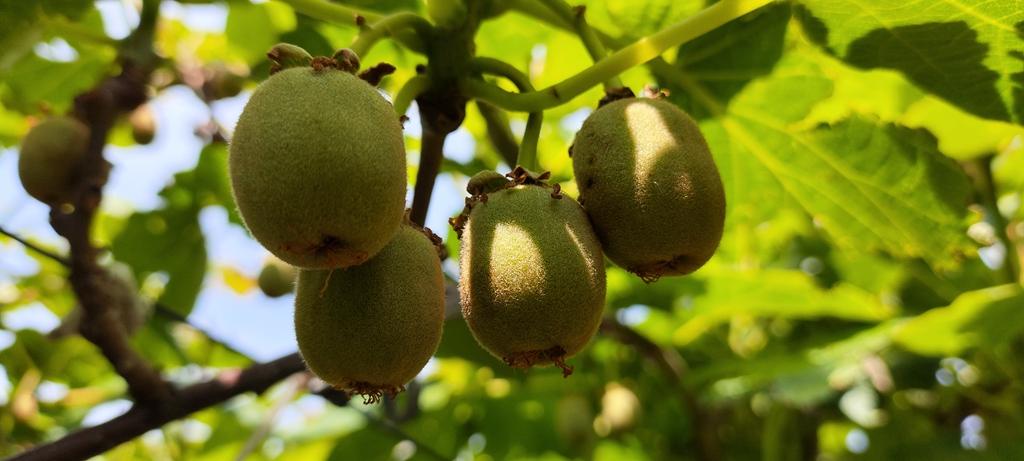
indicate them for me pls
(318, 172)
(533, 274)
(317, 168)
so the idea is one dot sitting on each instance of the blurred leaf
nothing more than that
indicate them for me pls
(981, 318)
(898, 194)
(35, 81)
(787, 294)
(968, 52)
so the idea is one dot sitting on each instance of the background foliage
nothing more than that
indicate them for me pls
(865, 301)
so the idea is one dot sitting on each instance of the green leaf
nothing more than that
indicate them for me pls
(981, 318)
(35, 81)
(729, 57)
(871, 185)
(968, 52)
(775, 293)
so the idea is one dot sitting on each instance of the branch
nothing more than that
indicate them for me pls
(431, 153)
(36, 248)
(99, 109)
(527, 156)
(95, 440)
(673, 366)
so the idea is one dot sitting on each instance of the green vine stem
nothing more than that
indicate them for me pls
(393, 26)
(578, 18)
(330, 12)
(528, 147)
(412, 88)
(638, 52)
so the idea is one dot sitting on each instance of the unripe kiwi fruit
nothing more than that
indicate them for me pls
(50, 156)
(277, 278)
(371, 328)
(317, 166)
(532, 275)
(143, 124)
(650, 187)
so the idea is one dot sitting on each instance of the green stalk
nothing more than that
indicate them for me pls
(639, 52)
(412, 88)
(330, 12)
(591, 41)
(527, 157)
(392, 26)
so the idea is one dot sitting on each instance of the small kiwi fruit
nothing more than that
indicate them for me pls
(277, 278)
(532, 275)
(50, 155)
(650, 187)
(317, 166)
(143, 124)
(371, 328)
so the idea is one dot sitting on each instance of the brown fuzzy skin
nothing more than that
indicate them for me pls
(370, 329)
(650, 187)
(317, 167)
(533, 281)
(50, 154)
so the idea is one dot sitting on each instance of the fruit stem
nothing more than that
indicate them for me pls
(393, 26)
(639, 52)
(412, 88)
(578, 19)
(527, 157)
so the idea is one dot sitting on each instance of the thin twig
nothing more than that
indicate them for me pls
(36, 248)
(95, 440)
(261, 433)
(431, 153)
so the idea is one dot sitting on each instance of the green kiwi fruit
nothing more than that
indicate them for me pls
(532, 275)
(371, 328)
(143, 124)
(317, 166)
(277, 278)
(650, 187)
(50, 155)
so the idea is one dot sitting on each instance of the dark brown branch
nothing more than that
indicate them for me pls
(92, 441)
(673, 366)
(98, 109)
(431, 153)
(36, 248)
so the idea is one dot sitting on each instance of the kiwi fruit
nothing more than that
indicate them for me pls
(371, 328)
(650, 187)
(50, 155)
(532, 274)
(143, 124)
(277, 278)
(317, 167)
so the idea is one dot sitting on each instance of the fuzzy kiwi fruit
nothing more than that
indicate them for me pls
(143, 123)
(50, 154)
(317, 166)
(532, 275)
(650, 187)
(371, 328)
(277, 278)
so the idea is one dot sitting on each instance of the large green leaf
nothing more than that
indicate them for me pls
(871, 185)
(970, 52)
(981, 318)
(774, 293)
